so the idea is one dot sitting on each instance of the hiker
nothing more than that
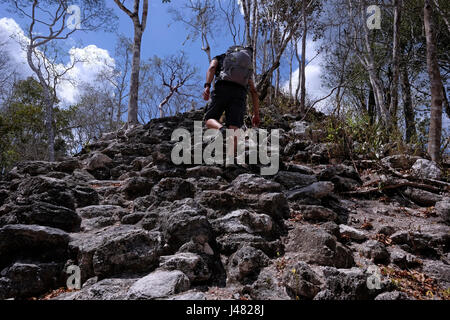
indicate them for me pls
(233, 72)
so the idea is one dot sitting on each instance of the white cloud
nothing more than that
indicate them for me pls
(313, 72)
(11, 39)
(93, 60)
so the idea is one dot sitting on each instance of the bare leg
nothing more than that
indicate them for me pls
(213, 124)
(235, 138)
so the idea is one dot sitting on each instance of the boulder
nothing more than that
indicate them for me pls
(426, 169)
(346, 284)
(439, 271)
(240, 221)
(41, 213)
(26, 280)
(294, 179)
(352, 233)
(245, 264)
(393, 295)
(230, 243)
(317, 213)
(43, 244)
(97, 161)
(253, 184)
(313, 245)
(274, 205)
(376, 251)
(97, 223)
(430, 243)
(191, 295)
(301, 281)
(135, 251)
(387, 230)
(268, 286)
(85, 196)
(90, 212)
(316, 190)
(133, 218)
(173, 189)
(191, 264)
(339, 170)
(180, 222)
(44, 189)
(293, 167)
(135, 187)
(204, 171)
(106, 289)
(159, 284)
(443, 209)
(116, 250)
(404, 259)
(422, 197)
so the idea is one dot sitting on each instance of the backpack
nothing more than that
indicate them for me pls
(237, 65)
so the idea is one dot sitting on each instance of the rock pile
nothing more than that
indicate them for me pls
(140, 227)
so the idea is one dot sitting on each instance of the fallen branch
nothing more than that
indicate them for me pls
(422, 181)
(391, 187)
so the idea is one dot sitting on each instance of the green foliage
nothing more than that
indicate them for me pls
(356, 135)
(23, 135)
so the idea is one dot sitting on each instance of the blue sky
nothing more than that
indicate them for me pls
(162, 37)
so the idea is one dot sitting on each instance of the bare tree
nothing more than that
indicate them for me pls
(139, 23)
(53, 15)
(169, 86)
(434, 138)
(303, 66)
(282, 19)
(174, 73)
(398, 4)
(360, 40)
(119, 78)
(201, 23)
(443, 13)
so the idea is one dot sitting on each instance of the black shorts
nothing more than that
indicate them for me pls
(231, 98)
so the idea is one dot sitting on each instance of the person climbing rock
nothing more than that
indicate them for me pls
(233, 80)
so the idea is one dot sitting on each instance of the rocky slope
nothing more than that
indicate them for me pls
(140, 227)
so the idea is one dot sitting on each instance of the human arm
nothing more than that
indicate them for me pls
(210, 77)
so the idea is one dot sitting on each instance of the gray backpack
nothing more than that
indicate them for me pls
(237, 65)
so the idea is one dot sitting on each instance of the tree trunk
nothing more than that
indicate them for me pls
(255, 34)
(291, 58)
(206, 46)
(163, 103)
(371, 106)
(395, 60)
(134, 85)
(369, 62)
(434, 138)
(299, 83)
(246, 6)
(446, 104)
(49, 103)
(264, 63)
(407, 103)
(303, 76)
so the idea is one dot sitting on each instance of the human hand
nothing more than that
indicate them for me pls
(206, 94)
